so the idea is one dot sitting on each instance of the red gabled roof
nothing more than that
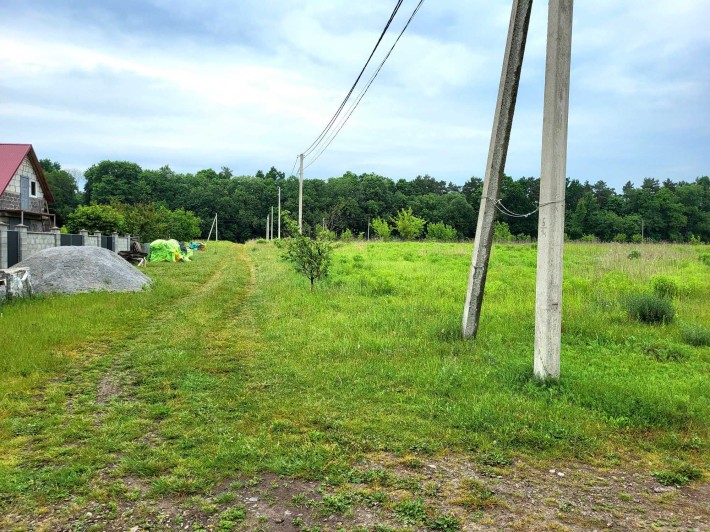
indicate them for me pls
(11, 156)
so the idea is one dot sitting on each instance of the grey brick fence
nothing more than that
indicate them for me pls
(17, 247)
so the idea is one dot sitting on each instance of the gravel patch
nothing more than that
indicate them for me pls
(72, 269)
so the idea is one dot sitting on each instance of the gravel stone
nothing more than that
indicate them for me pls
(72, 269)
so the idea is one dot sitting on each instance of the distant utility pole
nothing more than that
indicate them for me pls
(271, 230)
(497, 152)
(267, 227)
(279, 224)
(300, 195)
(551, 225)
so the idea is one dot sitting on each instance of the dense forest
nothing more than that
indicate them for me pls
(668, 211)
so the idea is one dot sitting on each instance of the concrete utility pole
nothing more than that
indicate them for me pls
(551, 225)
(497, 152)
(267, 227)
(300, 194)
(216, 228)
(271, 230)
(279, 224)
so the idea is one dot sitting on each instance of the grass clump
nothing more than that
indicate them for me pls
(634, 254)
(411, 512)
(651, 308)
(231, 517)
(445, 522)
(679, 476)
(696, 335)
(666, 352)
(664, 286)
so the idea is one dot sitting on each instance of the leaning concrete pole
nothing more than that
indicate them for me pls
(279, 225)
(551, 225)
(300, 195)
(497, 152)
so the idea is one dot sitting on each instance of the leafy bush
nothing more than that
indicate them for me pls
(705, 258)
(678, 476)
(346, 236)
(309, 257)
(501, 232)
(382, 228)
(588, 238)
(440, 231)
(408, 226)
(635, 254)
(696, 335)
(103, 218)
(620, 237)
(651, 308)
(325, 234)
(637, 238)
(664, 286)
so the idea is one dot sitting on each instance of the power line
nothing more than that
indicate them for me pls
(315, 143)
(364, 91)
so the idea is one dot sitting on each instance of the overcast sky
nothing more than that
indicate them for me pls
(210, 83)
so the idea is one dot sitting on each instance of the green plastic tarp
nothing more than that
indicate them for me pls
(167, 251)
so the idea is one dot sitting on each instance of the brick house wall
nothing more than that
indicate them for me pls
(11, 197)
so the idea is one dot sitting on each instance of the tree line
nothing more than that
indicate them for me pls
(667, 211)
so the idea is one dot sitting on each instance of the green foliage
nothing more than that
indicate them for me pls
(680, 475)
(65, 191)
(634, 254)
(501, 232)
(381, 228)
(440, 231)
(408, 226)
(114, 182)
(664, 286)
(705, 258)
(588, 238)
(650, 308)
(103, 218)
(411, 512)
(666, 352)
(620, 237)
(445, 522)
(231, 518)
(346, 236)
(324, 233)
(151, 221)
(636, 238)
(696, 335)
(310, 257)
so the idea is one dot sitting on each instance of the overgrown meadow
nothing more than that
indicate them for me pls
(230, 366)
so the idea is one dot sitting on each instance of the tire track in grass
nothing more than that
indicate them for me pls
(113, 405)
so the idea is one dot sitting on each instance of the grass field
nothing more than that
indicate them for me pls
(230, 370)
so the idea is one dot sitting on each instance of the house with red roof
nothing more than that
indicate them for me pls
(24, 191)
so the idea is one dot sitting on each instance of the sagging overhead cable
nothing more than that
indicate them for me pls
(364, 90)
(323, 133)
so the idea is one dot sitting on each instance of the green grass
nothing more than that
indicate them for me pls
(230, 367)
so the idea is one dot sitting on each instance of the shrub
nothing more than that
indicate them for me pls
(501, 232)
(309, 257)
(664, 286)
(620, 237)
(651, 308)
(104, 218)
(696, 335)
(678, 476)
(637, 238)
(408, 226)
(705, 258)
(635, 254)
(346, 236)
(440, 231)
(382, 228)
(325, 234)
(588, 238)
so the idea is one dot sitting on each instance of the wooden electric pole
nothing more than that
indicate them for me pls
(551, 225)
(300, 194)
(497, 152)
(279, 224)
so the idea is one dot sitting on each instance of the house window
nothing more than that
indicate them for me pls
(33, 189)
